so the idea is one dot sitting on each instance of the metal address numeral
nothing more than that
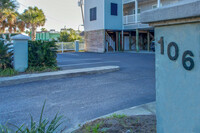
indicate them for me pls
(175, 57)
(161, 42)
(186, 59)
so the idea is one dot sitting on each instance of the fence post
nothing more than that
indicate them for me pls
(62, 47)
(20, 43)
(77, 46)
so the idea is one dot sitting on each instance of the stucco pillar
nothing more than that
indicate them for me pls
(77, 45)
(177, 66)
(20, 52)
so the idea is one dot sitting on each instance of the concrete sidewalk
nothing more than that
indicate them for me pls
(145, 109)
(54, 75)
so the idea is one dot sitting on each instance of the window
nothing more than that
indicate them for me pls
(138, 11)
(113, 9)
(93, 14)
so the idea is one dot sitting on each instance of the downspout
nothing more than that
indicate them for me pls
(82, 11)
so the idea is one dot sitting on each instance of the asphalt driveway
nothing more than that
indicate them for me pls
(86, 97)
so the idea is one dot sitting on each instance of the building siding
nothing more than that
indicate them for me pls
(113, 22)
(96, 24)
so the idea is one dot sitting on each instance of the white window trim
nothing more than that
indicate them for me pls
(156, 5)
(138, 9)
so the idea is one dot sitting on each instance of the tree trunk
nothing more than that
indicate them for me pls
(33, 34)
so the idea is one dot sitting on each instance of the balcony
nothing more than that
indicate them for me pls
(131, 19)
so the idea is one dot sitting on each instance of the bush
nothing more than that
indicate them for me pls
(42, 54)
(6, 54)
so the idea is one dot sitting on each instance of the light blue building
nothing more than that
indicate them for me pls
(114, 25)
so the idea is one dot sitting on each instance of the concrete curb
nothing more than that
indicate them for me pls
(5, 81)
(144, 109)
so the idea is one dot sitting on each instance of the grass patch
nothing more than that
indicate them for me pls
(8, 72)
(119, 116)
(94, 129)
(41, 69)
(130, 124)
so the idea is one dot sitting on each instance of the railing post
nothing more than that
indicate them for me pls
(62, 47)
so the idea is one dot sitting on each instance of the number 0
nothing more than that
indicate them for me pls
(175, 57)
(186, 59)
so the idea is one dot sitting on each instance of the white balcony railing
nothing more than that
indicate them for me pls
(130, 19)
(127, 1)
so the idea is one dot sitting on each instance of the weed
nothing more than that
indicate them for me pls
(119, 116)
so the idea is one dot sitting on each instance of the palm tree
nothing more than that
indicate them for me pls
(5, 6)
(9, 18)
(33, 18)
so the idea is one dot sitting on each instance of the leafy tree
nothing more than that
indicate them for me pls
(64, 35)
(70, 35)
(43, 29)
(33, 18)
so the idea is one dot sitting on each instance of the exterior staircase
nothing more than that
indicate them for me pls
(110, 44)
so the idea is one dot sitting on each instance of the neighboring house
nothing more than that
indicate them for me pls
(47, 35)
(114, 25)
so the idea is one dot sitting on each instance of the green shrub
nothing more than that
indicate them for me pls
(42, 54)
(7, 72)
(5, 55)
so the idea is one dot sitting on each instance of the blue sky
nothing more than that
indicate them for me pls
(59, 13)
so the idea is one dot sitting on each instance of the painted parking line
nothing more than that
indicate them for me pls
(89, 59)
(74, 54)
(89, 63)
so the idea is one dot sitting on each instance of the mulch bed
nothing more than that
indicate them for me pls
(127, 124)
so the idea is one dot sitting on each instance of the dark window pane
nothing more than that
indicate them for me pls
(93, 14)
(114, 9)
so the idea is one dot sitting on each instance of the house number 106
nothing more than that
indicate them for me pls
(187, 61)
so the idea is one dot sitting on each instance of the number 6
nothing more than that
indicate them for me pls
(188, 59)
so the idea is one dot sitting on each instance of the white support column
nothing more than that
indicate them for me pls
(158, 4)
(122, 40)
(136, 11)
